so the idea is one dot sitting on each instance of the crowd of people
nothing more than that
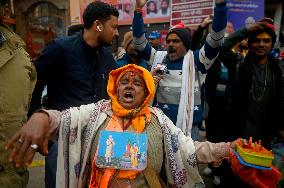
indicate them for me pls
(233, 82)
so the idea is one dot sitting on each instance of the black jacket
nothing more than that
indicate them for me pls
(74, 72)
(240, 87)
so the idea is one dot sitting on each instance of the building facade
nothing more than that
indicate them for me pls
(38, 22)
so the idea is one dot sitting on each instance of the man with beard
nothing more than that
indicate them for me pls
(178, 93)
(131, 56)
(165, 9)
(75, 69)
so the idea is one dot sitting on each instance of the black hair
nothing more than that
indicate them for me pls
(98, 11)
(148, 4)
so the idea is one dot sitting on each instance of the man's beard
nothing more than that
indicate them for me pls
(171, 50)
(164, 10)
(105, 43)
(170, 56)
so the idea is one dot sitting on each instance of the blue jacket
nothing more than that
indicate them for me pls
(169, 89)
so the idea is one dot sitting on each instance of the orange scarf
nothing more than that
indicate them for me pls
(139, 117)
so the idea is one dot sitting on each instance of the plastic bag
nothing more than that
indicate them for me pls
(255, 177)
(278, 150)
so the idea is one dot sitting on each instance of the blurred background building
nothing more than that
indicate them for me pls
(38, 22)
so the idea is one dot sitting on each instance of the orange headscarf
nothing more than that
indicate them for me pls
(139, 117)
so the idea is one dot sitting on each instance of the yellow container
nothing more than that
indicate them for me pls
(255, 159)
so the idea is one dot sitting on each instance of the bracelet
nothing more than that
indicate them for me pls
(138, 10)
(43, 112)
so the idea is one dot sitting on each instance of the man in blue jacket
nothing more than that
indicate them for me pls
(178, 92)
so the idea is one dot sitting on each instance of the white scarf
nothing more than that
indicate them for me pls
(186, 104)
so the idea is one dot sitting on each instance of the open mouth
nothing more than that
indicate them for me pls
(171, 50)
(128, 97)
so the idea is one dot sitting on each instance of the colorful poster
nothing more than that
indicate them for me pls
(122, 150)
(243, 12)
(191, 13)
(155, 11)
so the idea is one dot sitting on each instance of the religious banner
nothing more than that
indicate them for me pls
(244, 12)
(122, 150)
(191, 13)
(155, 11)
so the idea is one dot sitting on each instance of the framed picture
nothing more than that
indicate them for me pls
(122, 150)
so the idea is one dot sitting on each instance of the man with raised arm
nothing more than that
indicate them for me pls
(178, 93)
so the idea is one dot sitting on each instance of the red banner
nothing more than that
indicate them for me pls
(191, 13)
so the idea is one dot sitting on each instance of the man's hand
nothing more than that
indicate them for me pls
(157, 77)
(259, 24)
(266, 19)
(208, 20)
(140, 3)
(220, 1)
(32, 137)
(233, 144)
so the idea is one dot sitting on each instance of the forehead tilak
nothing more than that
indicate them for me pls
(131, 74)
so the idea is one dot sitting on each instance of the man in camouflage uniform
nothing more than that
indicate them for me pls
(18, 77)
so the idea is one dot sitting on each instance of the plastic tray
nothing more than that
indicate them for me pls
(251, 165)
(255, 159)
